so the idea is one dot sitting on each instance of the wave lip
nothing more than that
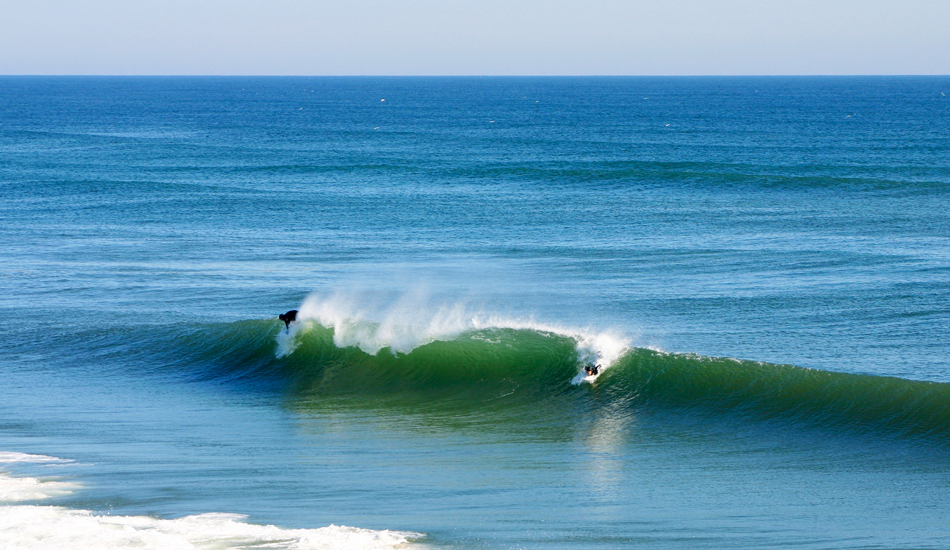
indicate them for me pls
(413, 320)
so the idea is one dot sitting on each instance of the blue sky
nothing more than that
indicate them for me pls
(484, 37)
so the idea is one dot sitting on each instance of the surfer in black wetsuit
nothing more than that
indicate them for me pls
(592, 369)
(288, 317)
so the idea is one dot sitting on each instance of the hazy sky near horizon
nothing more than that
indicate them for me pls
(467, 37)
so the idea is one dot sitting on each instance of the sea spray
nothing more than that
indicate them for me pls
(372, 323)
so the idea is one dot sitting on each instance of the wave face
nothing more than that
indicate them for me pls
(784, 393)
(475, 359)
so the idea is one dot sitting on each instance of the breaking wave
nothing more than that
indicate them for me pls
(338, 348)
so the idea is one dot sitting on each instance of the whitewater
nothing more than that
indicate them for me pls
(35, 526)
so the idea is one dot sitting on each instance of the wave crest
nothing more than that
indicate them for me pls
(412, 320)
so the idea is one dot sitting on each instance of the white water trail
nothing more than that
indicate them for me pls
(287, 341)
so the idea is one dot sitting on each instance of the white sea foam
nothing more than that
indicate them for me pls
(55, 527)
(18, 489)
(11, 457)
(52, 527)
(413, 319)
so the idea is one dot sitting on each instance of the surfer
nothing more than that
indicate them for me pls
(592, 369)
(288, 318)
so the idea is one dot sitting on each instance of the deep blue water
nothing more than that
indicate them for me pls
(761, 265)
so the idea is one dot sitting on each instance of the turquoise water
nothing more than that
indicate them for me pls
(761, 265)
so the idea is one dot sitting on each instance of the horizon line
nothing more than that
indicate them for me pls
(258, 75)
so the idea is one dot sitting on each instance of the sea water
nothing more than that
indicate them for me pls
(760, 265)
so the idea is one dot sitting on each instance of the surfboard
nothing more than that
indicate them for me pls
(584, 377)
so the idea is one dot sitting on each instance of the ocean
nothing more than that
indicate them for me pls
(760, 266)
